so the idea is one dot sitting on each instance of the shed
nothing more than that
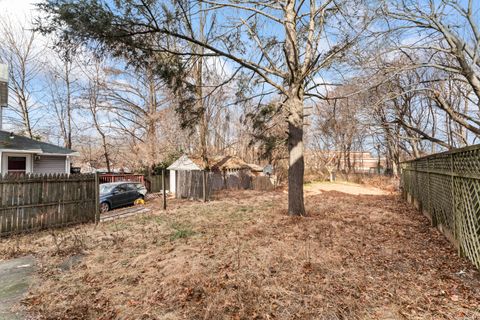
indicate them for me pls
(184, 163)
(223, 172)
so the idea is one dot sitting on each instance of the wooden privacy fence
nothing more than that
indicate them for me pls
(190, 184)
(262, 183)
(154, 183)
(230, 180)
(34, 202)
(446, 188)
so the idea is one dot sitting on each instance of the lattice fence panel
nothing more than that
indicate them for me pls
(468, 224)
(406, 181)
(441, 162)
(447, 187)
(467, 162)
(441, 208)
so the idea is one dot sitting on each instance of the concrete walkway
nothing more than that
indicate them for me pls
(15, 275)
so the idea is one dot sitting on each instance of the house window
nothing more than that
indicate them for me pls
(17, 165)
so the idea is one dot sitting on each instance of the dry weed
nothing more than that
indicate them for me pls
(352, 257)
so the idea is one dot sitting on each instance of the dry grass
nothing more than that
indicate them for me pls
(386, 183)
(240, 257)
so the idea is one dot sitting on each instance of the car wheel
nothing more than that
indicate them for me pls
(140, 200)
(104, 207)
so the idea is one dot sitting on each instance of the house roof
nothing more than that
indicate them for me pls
(19, 143)
(255, 167)
(186, 162)
(230, 163)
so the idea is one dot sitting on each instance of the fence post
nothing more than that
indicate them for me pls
(429, 196)
(204, 185)
(97, 198)
(164, 192)
(456, 220)
(452, 194)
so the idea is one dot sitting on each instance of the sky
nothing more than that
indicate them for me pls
(25, 10)
(18, 8)
(21, 12)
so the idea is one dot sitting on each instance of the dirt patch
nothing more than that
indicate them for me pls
(239, 257)
(343, 187)
(124, 213)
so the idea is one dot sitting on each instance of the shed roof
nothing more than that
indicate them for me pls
(186, 162)
(255, 167)
(19, 143)
(230, 163)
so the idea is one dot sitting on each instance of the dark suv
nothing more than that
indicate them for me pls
(119, 194)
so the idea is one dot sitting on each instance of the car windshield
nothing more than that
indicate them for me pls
(107, 188)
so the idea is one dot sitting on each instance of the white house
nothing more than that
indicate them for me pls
(20, 155)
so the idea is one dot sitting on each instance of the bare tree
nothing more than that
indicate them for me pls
(308, 38)
(21, 51)
(451, 49)
(136, 100)
(63, 89)
(93, 96)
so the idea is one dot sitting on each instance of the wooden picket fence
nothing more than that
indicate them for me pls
(33, 202)
(117, 177)
(446, 188)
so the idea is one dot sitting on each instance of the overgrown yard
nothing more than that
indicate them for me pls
(356, 256)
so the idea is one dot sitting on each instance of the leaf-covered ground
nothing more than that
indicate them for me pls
(356, 256)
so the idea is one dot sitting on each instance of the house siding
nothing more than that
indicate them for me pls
(50, 164)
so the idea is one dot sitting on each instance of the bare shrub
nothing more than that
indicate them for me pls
(68, 243)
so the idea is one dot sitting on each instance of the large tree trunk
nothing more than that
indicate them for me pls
(151, 122)
(68, 138)
(296, 165)
(25, 116)
(105, 152)
(203, 125)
